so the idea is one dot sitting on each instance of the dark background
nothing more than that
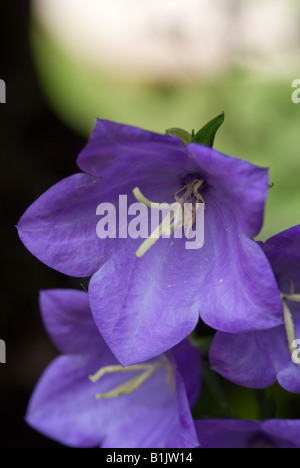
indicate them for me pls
(37, 150)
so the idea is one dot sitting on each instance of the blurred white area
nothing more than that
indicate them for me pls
(268, 35)
(175, 40)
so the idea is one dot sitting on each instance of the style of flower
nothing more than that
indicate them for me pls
(145, 304)
(258, 358)
(86, 399)
(222, 433)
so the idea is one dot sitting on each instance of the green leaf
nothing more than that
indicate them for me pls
(206, 135)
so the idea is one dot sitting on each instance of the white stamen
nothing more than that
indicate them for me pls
(290, 327)
(291, 297)
(118, 368)
(134, 383)
(128, 387)
(140, 197)
(173, 219)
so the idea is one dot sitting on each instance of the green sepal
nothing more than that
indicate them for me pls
(206, 135)
(185, 136)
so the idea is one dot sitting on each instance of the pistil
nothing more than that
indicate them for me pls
(175, 218)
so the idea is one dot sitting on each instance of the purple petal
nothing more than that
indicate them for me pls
(189, 365)
(286, 432)
(288, 373)
(60, 227)
(68, 320)
(63, 406)
(233, 356)
(289, 377)
(184, 433)
(221, 433)
(283, 252)
(242, 185)
(152, 304)
(284, 243)
(117, 152)
(244, 358)
(231, 272)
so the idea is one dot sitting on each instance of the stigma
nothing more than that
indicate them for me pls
(181, 213)
(145, 370)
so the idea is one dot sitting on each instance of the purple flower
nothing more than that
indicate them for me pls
(258, 358)
(144, 306)
(222, 433)
(86, 399)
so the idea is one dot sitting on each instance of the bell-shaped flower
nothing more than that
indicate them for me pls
(86, 399)
(148, 296)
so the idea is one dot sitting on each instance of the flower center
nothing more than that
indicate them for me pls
(131, 385)
(181, 213)
(288, 319)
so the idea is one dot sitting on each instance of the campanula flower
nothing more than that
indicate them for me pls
(258, 358)
(148, 296)
(86, 399)
(222, 433)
